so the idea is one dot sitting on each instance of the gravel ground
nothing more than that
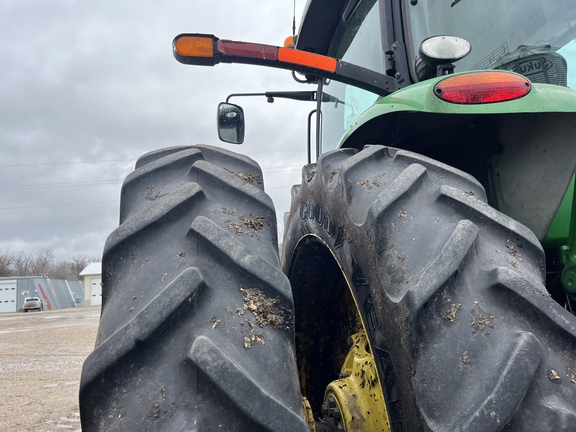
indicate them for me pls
(41, 356)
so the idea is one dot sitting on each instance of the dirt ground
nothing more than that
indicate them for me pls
(41, 356)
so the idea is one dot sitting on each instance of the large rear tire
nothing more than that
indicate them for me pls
(450, 292)
(196, 331)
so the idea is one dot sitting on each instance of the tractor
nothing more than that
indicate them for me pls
(427, 276)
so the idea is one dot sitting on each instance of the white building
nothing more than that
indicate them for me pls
(92, 282)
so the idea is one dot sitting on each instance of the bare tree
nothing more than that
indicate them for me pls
(79, 263)
(62, 270)
(5, 264)
(42, 263)
(21, 264)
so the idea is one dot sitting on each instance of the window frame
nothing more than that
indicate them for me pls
(386, 18)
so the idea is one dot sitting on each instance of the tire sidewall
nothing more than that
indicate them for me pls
(314, 217)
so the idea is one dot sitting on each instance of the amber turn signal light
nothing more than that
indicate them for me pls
(196, 46)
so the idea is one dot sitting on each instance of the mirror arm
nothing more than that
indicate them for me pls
(294, 95)
(243, 94)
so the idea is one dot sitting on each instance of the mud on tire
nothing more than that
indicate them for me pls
(450, 291)
(196, 328)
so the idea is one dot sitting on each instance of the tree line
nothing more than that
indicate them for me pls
(42, 264)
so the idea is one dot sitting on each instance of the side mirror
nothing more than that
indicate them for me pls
(231, 123)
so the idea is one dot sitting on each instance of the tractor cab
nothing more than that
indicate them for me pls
(413, 41)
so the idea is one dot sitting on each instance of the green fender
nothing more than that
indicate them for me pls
(537, 133)
(543, 98)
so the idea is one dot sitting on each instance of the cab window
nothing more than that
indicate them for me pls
(357, 40)
(535, 38)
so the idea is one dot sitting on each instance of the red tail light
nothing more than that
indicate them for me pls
(482, 87)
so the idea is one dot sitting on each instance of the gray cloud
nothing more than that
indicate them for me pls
(96, 81)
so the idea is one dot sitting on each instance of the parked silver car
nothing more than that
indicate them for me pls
(32, 303)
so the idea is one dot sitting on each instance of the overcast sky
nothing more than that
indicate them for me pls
(86, 87)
